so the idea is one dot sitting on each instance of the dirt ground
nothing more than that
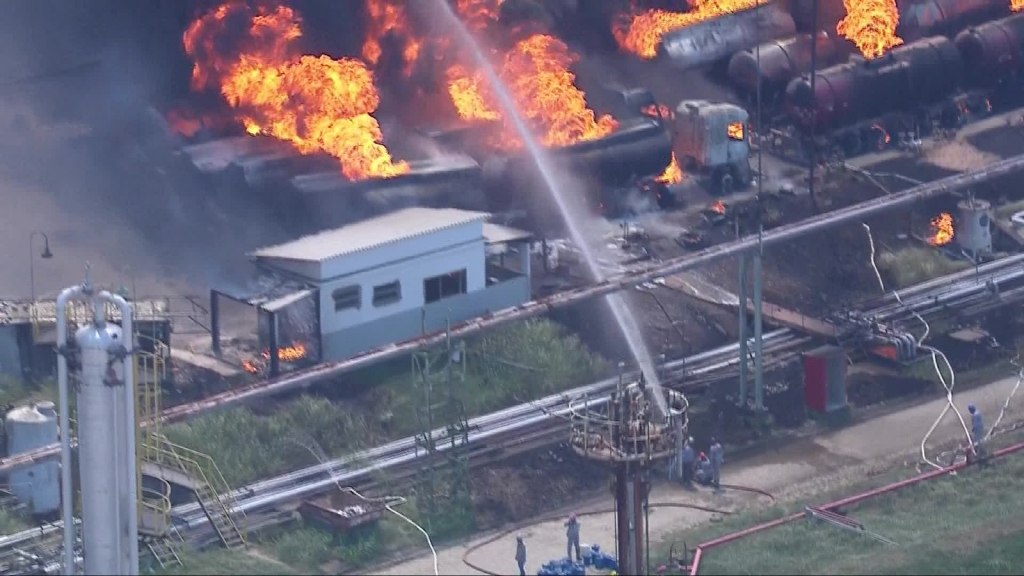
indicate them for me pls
(798, 470)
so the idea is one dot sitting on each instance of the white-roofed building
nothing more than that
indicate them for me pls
(394, 277)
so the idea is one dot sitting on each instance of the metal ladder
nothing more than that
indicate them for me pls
(165, 550)
(208, 485)
(154, 447)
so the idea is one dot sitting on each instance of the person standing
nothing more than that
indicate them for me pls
(572, 533)
(977, 430)
(688, 459)
(521, 554)
(717, 457)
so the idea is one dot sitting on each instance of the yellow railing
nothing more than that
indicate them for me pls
(202, 468)
(157, 505)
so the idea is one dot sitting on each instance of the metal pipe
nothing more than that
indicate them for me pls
(758, 335)
(850, 500)
(67, 504)
(743, 340)
(325, 370)
(130, 429)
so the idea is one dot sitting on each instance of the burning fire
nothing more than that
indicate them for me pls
(673, 174)
(871, 25)
(292, 353)
(1016, 5)
(641, 33)
(941, 230)
(317, 103)
(536, 71)
(387, 17)
(718, 207)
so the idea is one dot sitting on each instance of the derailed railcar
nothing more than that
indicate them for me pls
(921, 18)
(704, 43)
(774, 64)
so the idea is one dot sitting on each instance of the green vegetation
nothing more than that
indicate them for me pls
(963, 524)
(221, 562)
(909, 266)
(17, 392)
(512, 365)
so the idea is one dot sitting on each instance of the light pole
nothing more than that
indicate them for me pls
(46, 255)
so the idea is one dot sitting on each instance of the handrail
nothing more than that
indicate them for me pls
(209, 473)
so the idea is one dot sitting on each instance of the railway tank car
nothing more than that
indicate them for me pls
(993, 52)
(714, 40)
(777, 64)
(908, 76)
(921, 18)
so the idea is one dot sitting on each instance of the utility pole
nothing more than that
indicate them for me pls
(440, 376)
(813, 152)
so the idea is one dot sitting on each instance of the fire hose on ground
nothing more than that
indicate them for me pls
(556, 517)
(831, 507)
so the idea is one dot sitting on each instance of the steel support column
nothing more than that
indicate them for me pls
(758, 335)
(741, 399)
(272, 343)
(630, 489)
(215, 321)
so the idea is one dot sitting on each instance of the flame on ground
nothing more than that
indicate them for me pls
(640, 33)
(673, 174)
(292, 353)
(871, 25)
(1016, 5)
(536, 72)
(718, 207)
(941, 230)
(317, 103)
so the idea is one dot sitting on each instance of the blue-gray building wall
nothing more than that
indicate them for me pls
(346, 343)
(10, 353)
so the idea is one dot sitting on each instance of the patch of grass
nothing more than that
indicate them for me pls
(969, 523)
(17, 392)
(247, 446)
(909, 266)
(223, 562)
(512, 365)
(310, 548)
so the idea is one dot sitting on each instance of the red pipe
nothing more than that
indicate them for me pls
(699, 551)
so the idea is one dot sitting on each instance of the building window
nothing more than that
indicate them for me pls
(445, 285)
(387, 293)
(347, 297)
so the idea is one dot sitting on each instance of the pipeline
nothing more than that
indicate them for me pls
(921, 293)
(848, 501)
(305, 378)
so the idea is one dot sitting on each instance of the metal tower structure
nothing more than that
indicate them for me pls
(101, 354)
(440, 375)
(628, 433)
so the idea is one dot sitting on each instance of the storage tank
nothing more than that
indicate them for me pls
(973, 232)
(101, 450)
(993, 52)
(29, 428)
(719, 38)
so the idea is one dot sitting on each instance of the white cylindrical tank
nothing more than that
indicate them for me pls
(28, 428)
(100, 419)
(973, 231)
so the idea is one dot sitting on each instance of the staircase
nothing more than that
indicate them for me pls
(165, 550)
(198, 472)
(162, 459)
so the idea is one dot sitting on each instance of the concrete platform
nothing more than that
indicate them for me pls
(206, 362)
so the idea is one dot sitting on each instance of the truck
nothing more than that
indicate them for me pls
(711, 143)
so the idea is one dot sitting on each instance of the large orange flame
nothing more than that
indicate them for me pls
(1016, 5)
(641, 32)
(941, 230)
(871, 25)
(388, 17)
(536, 71)
(318, 103)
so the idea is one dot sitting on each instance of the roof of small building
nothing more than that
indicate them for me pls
(499, 234)
(371, 233)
